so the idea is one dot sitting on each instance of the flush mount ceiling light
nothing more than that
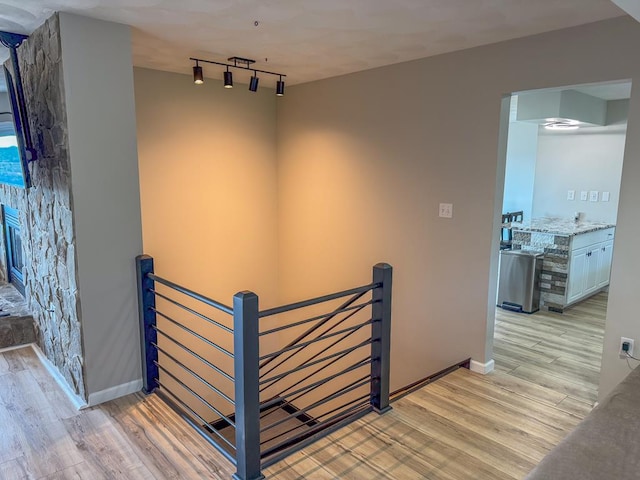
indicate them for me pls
(241, 63)
(561, 124)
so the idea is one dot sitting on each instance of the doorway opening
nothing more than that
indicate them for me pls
(565, 150)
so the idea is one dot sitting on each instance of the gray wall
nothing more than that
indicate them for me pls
(98, 79)
(364, 160)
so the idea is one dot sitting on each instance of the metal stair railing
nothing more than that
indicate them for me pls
(259, 385)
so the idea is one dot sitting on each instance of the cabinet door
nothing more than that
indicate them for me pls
(591, 269)
(577, 274)
(604, 267)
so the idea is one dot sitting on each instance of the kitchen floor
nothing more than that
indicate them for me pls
(562, 352)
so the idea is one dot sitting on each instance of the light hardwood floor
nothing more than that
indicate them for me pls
(463, 426)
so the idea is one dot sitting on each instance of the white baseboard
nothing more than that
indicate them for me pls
(482, 368)
(115, 392)
(77, 400)
(15, 347)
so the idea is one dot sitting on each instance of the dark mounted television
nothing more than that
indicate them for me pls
(16, 150)
(14, 154)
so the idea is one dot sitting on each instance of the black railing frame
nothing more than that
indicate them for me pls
(247, 363)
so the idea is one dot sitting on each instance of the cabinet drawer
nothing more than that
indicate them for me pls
(586, 239)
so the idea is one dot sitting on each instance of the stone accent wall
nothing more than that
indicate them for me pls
(46, 209)
(555, 266)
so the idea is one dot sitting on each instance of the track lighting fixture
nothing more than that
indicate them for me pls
(243, 64)
(198, 78)
(253, 83)
(228, 79)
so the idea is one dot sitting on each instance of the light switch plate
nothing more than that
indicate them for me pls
(605, 196)
(593, 196)
(571, 194)
(584, 195)
(446, 210)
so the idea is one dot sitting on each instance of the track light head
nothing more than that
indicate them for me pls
(253, 84)
(280, 87)
(228, 79)
(198, 77)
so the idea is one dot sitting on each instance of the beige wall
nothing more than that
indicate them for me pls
(364, 160)
(208, 184)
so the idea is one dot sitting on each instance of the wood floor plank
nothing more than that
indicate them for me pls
(13, 470)
(548, 414)
(12, 361)
(102, 447)
(556, 382)
(151, 430)
(577, 407)
(50, 391)
(459, 437)
(502, 414)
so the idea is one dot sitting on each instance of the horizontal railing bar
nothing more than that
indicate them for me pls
(279, 398)
(315, 419)
(315, 301)
(195, 334)
(309, 332)
(318, 317)
(316, 432)
(196, 394)
(192, 294)
(203, 432)
(315, 362)
(361, 383)
(194, 413)
(315, 340)
(194, 312)
(195, 375)
(195, 355)
(302, 391)
(298, 396)
(316, 355)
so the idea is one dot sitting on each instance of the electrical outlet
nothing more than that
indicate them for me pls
(626, 342)
(584, 195)
(446, 210)
(593, 196)
(571, 194)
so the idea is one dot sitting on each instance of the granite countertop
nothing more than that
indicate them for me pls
(560, 226)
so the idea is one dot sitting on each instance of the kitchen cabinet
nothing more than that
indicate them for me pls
(577, 274)
(589, 264)
(604, 269)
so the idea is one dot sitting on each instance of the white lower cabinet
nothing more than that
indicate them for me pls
(577, 274)
(589, 265)
(604, 269)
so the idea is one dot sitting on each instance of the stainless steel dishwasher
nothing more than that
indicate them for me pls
(519, 281)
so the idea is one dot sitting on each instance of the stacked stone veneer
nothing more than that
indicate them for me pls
(555, 265)
(46, 209)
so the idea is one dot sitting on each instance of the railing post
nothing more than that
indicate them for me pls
(381, 336)
(246, 354)
(147, 315)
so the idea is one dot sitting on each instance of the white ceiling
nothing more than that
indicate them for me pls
(311, 39)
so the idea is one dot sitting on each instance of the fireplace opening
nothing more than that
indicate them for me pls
(13, 247)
